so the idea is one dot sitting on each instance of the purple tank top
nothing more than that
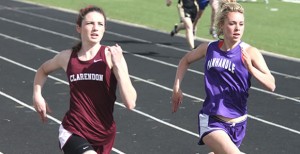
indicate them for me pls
(92, 97)
(227, 82)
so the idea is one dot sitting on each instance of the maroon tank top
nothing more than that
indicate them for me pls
(92, 97)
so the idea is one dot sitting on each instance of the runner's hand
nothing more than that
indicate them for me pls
(176, 100)
(246, 59)
(41, 107)
(116, 54)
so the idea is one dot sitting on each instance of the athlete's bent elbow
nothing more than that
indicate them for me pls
(273, 88)
(130, 105)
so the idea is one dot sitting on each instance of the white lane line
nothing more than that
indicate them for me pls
(38, 28)
(286, 75)
(144, 57)
(161, 121)
(120, 35)
(133, 25)
(48, 116)
(150, 59)
(163, 87)
(120, 104)
(201, 73)
(137, 39)
(152, 83)
(154, 118)
(26, 105)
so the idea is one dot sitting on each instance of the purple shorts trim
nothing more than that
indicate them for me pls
(208, 124)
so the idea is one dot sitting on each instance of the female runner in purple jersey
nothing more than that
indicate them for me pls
(94, 71)
(229, 66)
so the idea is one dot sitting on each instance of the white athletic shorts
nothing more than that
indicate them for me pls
(63, 136)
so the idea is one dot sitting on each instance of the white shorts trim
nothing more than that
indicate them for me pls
(63, 136)
(203, 125)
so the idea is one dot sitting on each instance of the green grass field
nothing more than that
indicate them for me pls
(275, 31)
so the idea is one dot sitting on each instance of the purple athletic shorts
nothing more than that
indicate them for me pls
(208, 124)
(202, 4)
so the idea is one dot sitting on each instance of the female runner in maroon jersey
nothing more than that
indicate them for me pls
(93, 71)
